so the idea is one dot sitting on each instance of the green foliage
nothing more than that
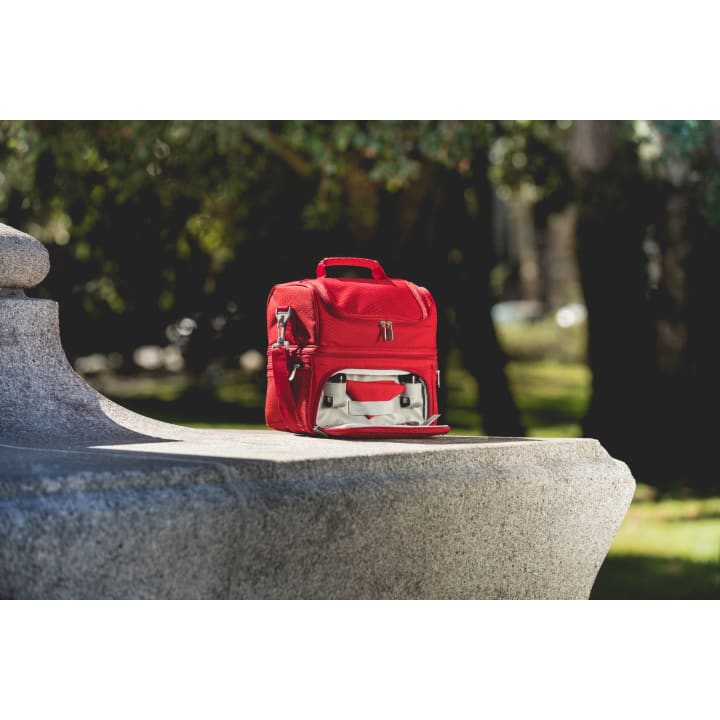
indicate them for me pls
(683, 138)
(530, 157)
(390, 155)
(689, 154)
(148, 221)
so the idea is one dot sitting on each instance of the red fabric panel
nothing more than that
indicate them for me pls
(283, 391)
(370, 391)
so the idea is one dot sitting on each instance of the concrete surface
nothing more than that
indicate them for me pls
(98, 502)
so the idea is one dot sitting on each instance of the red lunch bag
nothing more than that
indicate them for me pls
(352, 357)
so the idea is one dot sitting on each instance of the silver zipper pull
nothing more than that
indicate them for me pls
(296, 367)
(383, 329)
(389, 328)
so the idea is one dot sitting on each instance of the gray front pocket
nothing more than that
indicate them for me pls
(338, 409)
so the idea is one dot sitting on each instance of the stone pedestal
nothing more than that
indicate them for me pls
(98, 502)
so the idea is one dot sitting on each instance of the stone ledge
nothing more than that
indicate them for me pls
(263, 454)
(214, 516)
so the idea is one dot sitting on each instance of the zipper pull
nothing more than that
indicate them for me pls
(386, 329)
(296, 367)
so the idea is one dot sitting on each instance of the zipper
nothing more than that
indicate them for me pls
(317, 294)
(386, 330)
(361, 352)
(300, 356)
(295, 368)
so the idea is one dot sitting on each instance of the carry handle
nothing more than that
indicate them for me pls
(373, 265)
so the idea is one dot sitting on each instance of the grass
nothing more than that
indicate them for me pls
(665, 549)
(548, 375)
(551, 396)
(235, 403)
(543, 339)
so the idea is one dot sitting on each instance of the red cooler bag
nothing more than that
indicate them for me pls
(352, 357)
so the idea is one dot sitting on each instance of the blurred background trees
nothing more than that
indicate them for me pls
(168, 235)
(647, 239)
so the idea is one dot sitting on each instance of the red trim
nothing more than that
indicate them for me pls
(380, 432)
(418, 299)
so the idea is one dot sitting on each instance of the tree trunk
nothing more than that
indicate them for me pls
(688, 379)
(610, 231)
(476, 336)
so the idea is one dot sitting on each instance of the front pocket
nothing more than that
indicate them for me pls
(372, 397)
